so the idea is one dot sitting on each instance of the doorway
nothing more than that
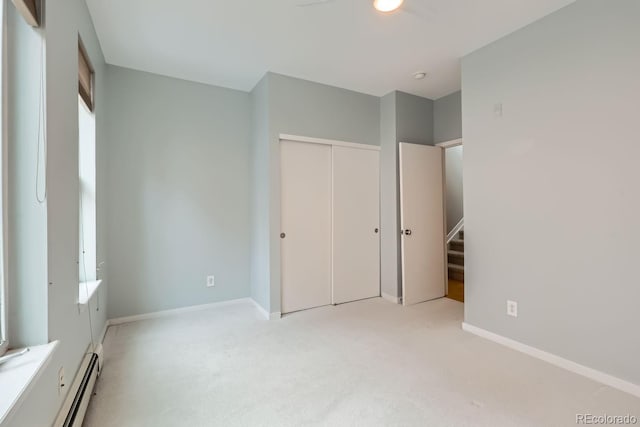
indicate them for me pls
(432, 221)
(453, 191)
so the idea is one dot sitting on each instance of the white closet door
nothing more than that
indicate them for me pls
(422, 222)
(306, 225)
(356, 223)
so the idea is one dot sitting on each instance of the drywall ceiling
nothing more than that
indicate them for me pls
(344, 43)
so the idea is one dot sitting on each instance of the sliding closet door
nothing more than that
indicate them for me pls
(305, 225)
(356, 223)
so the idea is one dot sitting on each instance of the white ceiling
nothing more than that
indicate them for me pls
(343, 43)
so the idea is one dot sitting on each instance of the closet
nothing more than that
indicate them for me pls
(330, 219)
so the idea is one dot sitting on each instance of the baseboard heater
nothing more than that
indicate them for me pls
(75, 406)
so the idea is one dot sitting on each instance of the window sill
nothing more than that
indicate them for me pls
(17, 377)
(86, 290)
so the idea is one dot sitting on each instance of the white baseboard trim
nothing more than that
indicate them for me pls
(261, 309)
(391, 298)
(269, 316)
(107, 323)
(163, 313)
(561, 362)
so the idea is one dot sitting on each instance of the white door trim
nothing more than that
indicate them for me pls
(449, 144)
(444, 145)
(297, 138)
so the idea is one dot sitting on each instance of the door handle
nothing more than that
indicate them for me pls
(282, 235)
(407, 232)
(376, 231)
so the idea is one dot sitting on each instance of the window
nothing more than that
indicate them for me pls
(85, 76)
(29, 9)
(87, 172)
(86, 168)
(3, 193)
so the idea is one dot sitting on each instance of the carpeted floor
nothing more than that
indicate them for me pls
(369, 363)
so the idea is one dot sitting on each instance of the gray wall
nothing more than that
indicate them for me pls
(453, 158)
(179, 159)
(301, 107)
(403, 118)
(414, 119)
(260, 244)
(447, 118)
(551, 186)
(44, 238)
(389, 228)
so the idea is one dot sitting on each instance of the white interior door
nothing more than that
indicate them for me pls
(422, 223)
(356, 223)
(306, 225)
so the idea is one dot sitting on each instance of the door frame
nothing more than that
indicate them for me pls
(312, 140)
(444, 145)
(450, 144)
(323, 141)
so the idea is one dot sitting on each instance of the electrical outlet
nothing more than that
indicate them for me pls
(61, 381)
(211, 281)
(512, 308)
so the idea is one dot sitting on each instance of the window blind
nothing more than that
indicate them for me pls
(29, 9)
(85, 77)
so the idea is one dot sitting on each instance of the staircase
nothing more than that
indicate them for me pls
(455, 257)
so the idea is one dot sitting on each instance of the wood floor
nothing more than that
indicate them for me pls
(456, 290)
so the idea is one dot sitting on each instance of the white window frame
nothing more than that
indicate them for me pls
(4, 340)
(87, 224)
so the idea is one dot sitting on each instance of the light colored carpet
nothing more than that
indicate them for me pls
(369, 363)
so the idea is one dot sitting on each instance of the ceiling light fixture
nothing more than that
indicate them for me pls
(387, 5)
(419, 75)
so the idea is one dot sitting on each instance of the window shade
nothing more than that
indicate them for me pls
(29, 11)
(85, 77)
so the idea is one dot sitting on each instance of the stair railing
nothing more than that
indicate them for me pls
(454, 232)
